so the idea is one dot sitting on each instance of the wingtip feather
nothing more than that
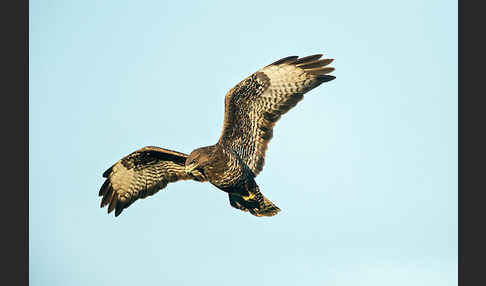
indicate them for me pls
(284, 60)
(320, 70)
(113, 204)
(104, 188)
(107, 172)
(315, 64)
(306, 59)
(119, 208)
(326, 78)
(108, 196)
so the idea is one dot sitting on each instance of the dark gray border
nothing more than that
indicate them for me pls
(15, 141)
(471, 208)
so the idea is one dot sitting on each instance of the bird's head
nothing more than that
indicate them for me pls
(198, 159)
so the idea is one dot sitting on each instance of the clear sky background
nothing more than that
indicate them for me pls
(364, 168)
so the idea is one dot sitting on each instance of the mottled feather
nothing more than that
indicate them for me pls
(141, 174)
(255, 104)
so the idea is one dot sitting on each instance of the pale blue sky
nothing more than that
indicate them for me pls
(364, 168)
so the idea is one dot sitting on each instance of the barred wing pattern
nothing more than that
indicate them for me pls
(255, 104)
(141, 174)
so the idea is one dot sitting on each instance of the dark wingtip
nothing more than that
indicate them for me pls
(107, 172)
(113, 204)
(284, 60)
(104, 187)
(326, 78)
(307, 59)
(107, 196)
(315, 64)
(119, 208)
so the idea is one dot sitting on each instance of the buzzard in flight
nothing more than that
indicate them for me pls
(252, 108)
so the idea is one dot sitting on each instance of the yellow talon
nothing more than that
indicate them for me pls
(249, 197)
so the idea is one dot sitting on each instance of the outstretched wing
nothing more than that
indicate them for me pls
(141, 174)
(255, 104)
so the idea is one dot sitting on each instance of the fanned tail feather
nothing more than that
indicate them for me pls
(259, 205)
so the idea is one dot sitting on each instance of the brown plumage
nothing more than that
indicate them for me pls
(252, 108)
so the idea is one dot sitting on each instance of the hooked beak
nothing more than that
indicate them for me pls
(190, 168)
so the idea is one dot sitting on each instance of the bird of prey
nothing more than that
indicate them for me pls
(252, 108)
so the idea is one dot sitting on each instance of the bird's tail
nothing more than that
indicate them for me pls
(267, 208)
(257, 204)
